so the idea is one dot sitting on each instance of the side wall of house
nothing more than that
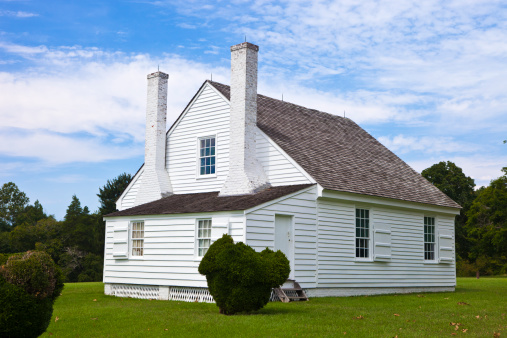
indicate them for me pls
(400, 235)
(170, 256)
(260, 231)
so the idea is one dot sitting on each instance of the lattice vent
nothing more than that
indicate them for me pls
(135, 291)
(183, 294)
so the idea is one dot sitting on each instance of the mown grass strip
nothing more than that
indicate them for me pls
(478, 308)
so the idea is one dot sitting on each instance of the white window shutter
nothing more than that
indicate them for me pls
(219, 226)
(382, 241)
(120, 242)
(445, 247)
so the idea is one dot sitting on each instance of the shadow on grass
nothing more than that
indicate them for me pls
(272, 311)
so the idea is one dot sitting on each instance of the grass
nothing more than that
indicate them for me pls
(478, 308)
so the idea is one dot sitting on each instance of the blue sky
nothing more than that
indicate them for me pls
(427, 78)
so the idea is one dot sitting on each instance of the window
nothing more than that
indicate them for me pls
(207, 156)
(362, 233)
(203, 236)
(137, 238)
(429, 238)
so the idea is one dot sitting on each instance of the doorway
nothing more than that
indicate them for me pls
(284, 239)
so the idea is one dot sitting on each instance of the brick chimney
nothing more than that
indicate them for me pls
(155, 182)
(246, 175)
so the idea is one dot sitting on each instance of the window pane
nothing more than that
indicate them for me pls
(362, 233)
(213, 142)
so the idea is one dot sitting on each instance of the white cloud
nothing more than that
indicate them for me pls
(77, 104)
(402, 144)
(186, 25)
(17, 14)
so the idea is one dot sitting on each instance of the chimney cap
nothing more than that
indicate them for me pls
(245, 45)
(158, 74)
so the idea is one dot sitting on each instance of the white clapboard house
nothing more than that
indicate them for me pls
(351, 216)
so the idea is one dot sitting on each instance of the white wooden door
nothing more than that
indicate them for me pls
(284, 239)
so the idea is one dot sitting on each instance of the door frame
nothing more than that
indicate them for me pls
(291, 240)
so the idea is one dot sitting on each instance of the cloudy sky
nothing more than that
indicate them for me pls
(427, 78)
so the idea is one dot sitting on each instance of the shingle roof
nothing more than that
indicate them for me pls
(339, 154)
(208, 202)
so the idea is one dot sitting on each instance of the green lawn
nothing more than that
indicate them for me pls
(478, 308)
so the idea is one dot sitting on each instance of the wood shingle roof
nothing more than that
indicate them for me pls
(339, 154)
(208, 202)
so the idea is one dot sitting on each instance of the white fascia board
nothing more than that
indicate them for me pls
(279, 199)
(187, 215)
(132, 182)
(284, 154)
(389, 202)
(196, 96)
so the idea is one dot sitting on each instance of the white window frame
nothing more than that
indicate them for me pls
(136, 239)
(435, 239)
(198, 155)
(199, 237)
(369, 239)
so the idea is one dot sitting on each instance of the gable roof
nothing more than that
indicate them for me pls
(208, 202)
(339, 154)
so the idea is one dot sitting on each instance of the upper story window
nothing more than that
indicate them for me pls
(137, 238)
(203, 236)
(429, 238)
(362, 233)
(207, 156)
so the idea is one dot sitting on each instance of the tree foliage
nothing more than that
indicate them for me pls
(109, 193)
(239, 278)
(12, 204)
(29, 285)
(487, 226)
(76, 243)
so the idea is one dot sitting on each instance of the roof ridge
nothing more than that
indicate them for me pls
(281, 101)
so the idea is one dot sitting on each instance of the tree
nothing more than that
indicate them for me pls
(487, 227)
(451, 180)
(12, 203)
(32, 214)
(79, 226)
(109, 194)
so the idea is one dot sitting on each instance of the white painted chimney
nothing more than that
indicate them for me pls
(155, 182)
(246, 175)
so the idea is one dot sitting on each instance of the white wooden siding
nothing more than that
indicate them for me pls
(260, 232)
(338, 266)
(129, 198)
(169, 251)
(207, 115)
(277, 166)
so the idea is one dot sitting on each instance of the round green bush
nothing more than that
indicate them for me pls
(239, 278)
(29, 285)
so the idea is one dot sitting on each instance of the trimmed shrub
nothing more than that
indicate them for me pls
(29, 285)
(239, 278)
